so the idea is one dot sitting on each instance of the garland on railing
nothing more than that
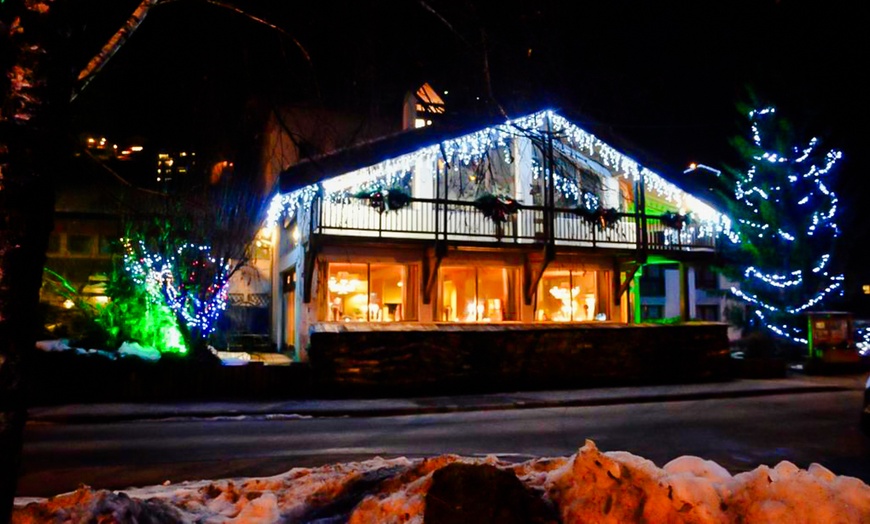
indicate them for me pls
(603, 217)
(385, 199)
(676, 220)
(496, 207)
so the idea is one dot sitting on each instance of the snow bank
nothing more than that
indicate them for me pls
(60, 344)
(127, 349)
(134, 349)
(591, 486)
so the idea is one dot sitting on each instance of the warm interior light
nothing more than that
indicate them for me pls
(567, 297)
(343, 284)
(68, 304)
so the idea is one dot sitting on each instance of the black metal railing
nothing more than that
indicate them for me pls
(428, 218)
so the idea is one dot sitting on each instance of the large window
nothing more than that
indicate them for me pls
(570, 295)
(490, 173)
(478, 294)
(369, 293)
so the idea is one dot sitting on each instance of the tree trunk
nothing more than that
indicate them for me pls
(34, 97)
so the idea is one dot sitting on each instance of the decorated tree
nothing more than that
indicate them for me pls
(184, 257)
(785, 215)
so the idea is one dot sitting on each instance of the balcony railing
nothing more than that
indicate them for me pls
(461, 221)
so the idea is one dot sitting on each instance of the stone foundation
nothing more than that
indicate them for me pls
(440, 356)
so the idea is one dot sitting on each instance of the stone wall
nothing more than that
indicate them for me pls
(446, 357)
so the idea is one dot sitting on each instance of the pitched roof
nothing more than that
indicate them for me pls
(369, 153)
(372, 152)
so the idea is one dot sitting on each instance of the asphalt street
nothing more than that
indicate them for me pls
(739, 433)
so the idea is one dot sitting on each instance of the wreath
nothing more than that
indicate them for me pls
(675, 220)
(497, 207)
(385, 199)
(602, 217)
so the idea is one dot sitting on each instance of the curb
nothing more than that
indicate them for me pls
(90, 418)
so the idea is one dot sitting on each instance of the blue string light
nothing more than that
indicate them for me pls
(198, 303)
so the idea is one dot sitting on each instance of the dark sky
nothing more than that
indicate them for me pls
(663, 75)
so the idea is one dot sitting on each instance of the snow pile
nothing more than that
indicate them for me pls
(591, 486)
(134, 349)
(127, 349)
(61, 344)
(620, 487)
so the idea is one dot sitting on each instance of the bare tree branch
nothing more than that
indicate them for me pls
(118, 177)
(429, 8)
(484, 52)
(264, 22)
(113, 45)
(126, 31)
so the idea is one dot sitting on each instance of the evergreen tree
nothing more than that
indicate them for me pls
(785, 215)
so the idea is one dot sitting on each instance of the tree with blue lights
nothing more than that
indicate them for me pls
(184, 260)
(785, 214)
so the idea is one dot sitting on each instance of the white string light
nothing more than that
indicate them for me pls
(474, 146)
(763, 197)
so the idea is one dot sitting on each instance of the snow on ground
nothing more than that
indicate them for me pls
(590, 486)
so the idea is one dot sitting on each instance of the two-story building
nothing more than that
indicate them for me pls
(531, 220)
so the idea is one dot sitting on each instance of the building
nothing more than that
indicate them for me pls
(533, 220)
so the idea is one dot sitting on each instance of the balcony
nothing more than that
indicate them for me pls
(461, 221)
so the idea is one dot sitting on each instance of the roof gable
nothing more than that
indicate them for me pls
(403, 150)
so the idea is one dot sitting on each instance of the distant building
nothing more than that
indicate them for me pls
(174, 168)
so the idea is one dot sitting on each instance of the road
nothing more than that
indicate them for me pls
(737, 433)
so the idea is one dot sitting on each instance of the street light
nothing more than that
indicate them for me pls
(694, 167)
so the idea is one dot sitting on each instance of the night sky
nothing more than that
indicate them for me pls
(664, 76)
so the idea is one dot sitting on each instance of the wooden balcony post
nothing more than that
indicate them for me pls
(684, 292)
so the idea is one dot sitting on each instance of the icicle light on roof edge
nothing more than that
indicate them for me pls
(475, 145)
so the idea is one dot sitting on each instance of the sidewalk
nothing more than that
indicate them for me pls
(100, 413)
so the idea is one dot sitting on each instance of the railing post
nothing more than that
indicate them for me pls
(594, 235)
(640, 207)
(550, 201)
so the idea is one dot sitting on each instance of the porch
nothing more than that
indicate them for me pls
(460, 221)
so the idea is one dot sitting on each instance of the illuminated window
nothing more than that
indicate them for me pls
(866, 288)
(566, 295)
(478, 294)
(369, 293)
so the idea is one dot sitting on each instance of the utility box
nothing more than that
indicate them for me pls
(831, 337)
